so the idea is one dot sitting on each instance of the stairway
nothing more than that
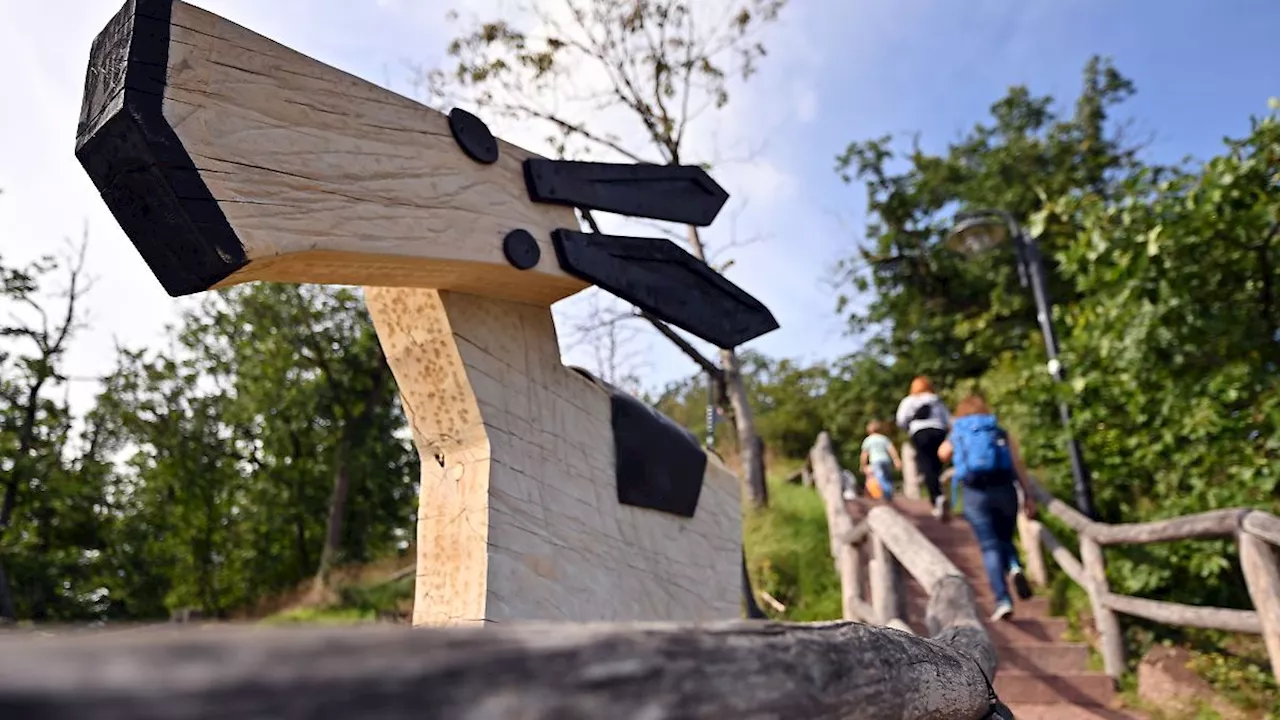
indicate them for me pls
(1041, 676)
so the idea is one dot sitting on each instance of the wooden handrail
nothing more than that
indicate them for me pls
(1255, 532)
(898, 545)
(727, 670)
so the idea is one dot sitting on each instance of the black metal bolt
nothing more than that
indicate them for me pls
(521, 249)
(473, 136)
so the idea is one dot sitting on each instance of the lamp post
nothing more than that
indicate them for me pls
(985, 228)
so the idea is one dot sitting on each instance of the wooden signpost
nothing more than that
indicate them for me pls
(546, 494)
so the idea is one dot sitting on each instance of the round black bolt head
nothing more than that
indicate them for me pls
(473, 136)
(521, 249)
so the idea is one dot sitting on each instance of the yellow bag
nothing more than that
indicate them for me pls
(873, 486)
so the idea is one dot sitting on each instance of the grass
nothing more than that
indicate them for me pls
(356, 603)
(789, 553)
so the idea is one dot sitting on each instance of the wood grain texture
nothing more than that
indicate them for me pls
(561, 672)
(951, 617)
(1261, 566)
(1243, 621)
(519, 518)
(326, 178)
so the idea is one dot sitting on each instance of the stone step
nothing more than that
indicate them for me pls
(1080, 688)
(1060, 711)
(1049, 658)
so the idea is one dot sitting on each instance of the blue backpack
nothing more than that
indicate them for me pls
(980, 452)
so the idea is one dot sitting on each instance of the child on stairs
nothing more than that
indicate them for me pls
(879, 458)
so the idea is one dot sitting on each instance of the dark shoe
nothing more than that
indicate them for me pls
(1020, 583)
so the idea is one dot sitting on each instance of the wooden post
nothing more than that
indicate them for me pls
(1262, 574)
(846, 555)
(911, 478)
(1109, 635)
(887, 596)
(1032, 550)
(228, 158)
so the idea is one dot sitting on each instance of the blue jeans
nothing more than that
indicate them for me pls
(992, 512)
(884, 475)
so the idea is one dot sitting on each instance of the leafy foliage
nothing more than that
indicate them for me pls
(1163, 279)
(205, 474)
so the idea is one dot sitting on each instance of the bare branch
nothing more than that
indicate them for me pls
(684, 345)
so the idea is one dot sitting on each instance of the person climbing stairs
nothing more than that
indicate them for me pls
(1041, 676)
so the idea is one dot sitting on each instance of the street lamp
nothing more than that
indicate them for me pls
(978, 231)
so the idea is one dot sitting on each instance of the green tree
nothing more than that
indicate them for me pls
(47, 518)
(1164, 280)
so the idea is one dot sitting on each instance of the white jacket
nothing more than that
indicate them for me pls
(938, 417)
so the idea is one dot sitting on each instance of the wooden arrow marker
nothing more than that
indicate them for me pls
(656, 275)
(679, 193)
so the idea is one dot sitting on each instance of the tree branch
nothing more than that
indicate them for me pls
(681, 343)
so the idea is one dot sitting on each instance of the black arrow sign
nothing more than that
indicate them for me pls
(679, 193)
(657, 276)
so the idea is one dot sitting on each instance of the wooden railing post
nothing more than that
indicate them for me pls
(849, 567)
(887, 595)
(1262, 575)
(910, 472)
(1032, 550)
(1109, 636)
(844, 536)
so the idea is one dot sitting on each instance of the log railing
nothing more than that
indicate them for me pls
(873, 554)
(1255, 533)
(536, 671)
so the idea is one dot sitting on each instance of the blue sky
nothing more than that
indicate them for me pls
(836, 72)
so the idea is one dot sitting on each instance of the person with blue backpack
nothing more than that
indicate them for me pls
(988, 468)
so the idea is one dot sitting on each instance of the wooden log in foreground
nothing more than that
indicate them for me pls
(730, 670)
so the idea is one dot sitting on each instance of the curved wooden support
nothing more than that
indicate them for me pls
(519, 516)
(543, 672)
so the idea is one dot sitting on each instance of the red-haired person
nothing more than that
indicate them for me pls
(925, 418)
(989, 469)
